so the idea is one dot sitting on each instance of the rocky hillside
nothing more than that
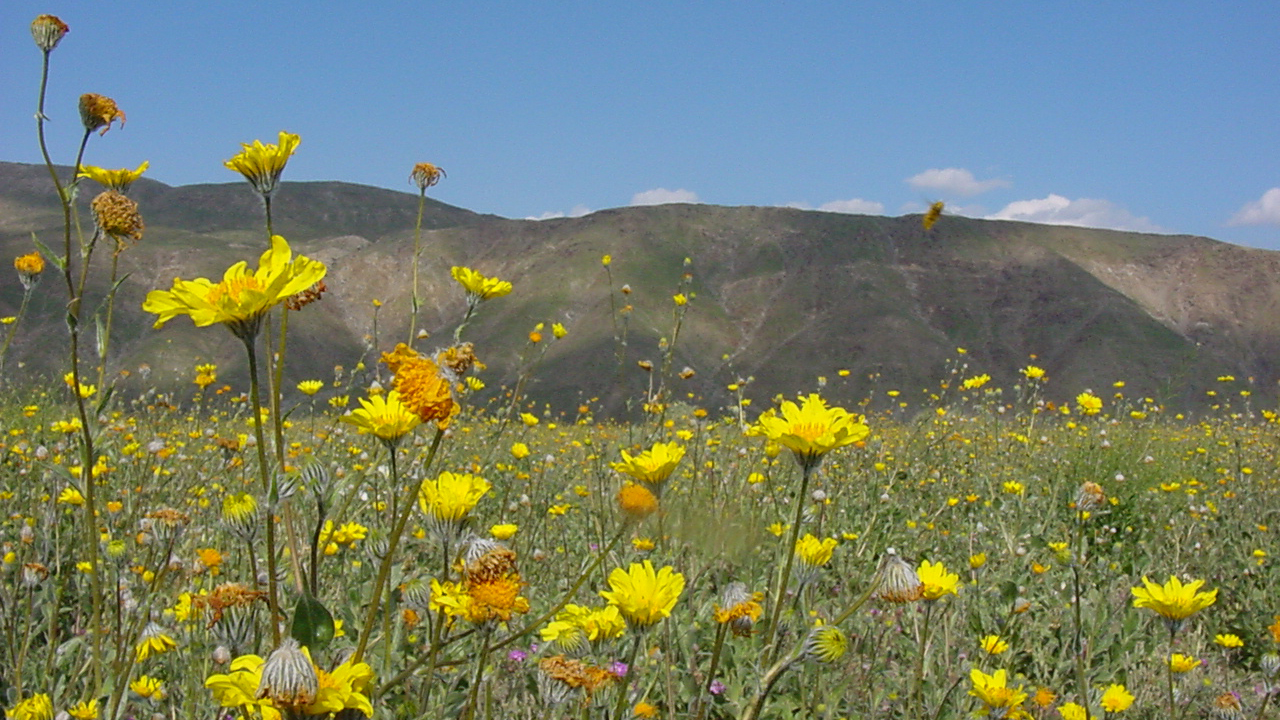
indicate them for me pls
(780, 295)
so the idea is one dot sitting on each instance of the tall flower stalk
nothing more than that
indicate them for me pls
(424, 175)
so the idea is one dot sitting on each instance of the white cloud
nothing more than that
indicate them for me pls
(1084, 212)
(954, 181)
(855, 206)
(662, 196)
(575, 211)
(1264, 211)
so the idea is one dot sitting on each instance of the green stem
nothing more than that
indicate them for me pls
(264, 470)
(13, 329)
(771, 648)
(417, 240)
(701, 700)
(918, 690)
(621, 705)
(384, 568)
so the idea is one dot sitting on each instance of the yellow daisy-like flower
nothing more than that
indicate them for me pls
(1031, 372)
(479, 287)
(644, 595)
(384, 417)
(653, 466)
(310, 387)
(996, 695)
(422, 387)
(118, 180)
(29, 265)
(148, 687)
(1072, 711)
(1228, 641)
(993, 644)
(1180, 663)
(241, 299)
(262, 164)
(70, 496)
(1089, 404)
(342, 689)
(814, 552)
(155, 642)
(936, 580)
(504, 531)
(36, 707)
(741, 609)
(637, 501)
(811, 429)
(1116, 699)
(1173, 601)
(87, 710)
(451, 495)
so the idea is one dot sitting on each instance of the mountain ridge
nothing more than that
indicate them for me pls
(780, 295)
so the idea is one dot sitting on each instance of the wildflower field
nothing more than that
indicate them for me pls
(403, 542)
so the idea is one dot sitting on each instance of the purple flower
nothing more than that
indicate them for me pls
(517, 655)
(619, 669)
(717, 687)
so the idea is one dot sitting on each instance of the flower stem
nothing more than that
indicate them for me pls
(417, 240)
(264, 470)
(384, 568)
(770, 644)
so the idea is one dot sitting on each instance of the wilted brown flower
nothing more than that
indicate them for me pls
(306, 297)
(899, 582)
(1090, 496)
(459, 359)
(99, 111)
(425, 175)
(288, 677)
(48, 30)
(117, 215)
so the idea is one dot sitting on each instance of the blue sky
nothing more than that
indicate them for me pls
(1105, 114)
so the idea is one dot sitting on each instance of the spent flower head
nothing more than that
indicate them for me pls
(48, 31)
(425, 175)
(98, 112)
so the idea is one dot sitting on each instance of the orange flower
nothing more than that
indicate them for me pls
(422, 388)
(99, 111)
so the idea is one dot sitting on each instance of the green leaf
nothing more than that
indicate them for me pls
(312, 623)
(58, 261)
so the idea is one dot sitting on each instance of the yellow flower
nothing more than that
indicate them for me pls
(637, 501)
(558, 330)
(529, 419)
(931, 217)
(810, 430)
(975, 382)
(29, 266)
(422, 387)
(425, 175)
(36, 707)
(241, 299)
(148, 687)
(680, 299)
(1228, 640)
(1089, 404)
(645, 710)
(118, 180)
(504, 531)
(814, 552)
(995, 694)
(479, 287)
(643, 595)
(262, 165)
(385, 417)
(1116, 699)
(1180, 663)
(1174, 601)
(71, 496)
(741, 609)
(154, 641)
(977, 561)
(993, 644)
(652, 466)
(937, 581)
(1072, 711)
(342, 689)
(519, 451)
(642, 544)
(87, 710)
(451, 496)
(826, 644)
(310, 387)
(1033, 373)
